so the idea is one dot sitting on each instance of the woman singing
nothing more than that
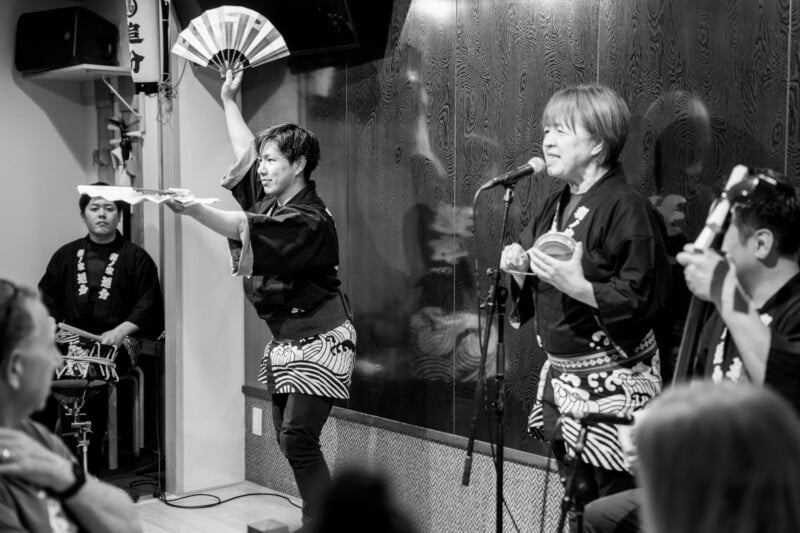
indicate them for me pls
(596, 309)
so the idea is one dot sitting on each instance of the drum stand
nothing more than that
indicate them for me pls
(87, 365)
(73, 406)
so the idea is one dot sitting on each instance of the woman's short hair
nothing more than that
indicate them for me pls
(84, 200)
(294, 142)
(598, 109)
(16, 323)
(720, 457)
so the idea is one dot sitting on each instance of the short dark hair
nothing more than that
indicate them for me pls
(16, 323)
(294, 142)
(84, 200)
(774, 206)
(599, 109)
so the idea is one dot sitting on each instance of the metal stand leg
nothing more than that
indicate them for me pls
(81, 429)
(113, 444)
(572, 501)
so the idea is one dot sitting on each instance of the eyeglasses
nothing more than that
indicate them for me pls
(10, 304)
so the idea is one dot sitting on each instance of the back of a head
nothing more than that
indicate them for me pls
(599, 109)
(720, 457)
(360, 502)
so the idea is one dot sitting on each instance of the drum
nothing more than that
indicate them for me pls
(556, 244)
(84, 357)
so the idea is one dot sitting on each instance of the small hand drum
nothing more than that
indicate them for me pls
(556, 244)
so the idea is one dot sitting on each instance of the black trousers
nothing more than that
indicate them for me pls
(298, 420)
(617, 513)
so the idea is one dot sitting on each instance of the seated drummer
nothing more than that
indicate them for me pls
(104, 284)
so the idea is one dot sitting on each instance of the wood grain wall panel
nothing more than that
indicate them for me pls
(706, 82)
(793, 94)
(510, 57)
(400, 190)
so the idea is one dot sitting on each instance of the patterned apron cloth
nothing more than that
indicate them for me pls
(603, 382)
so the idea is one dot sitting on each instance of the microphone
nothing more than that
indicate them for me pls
(600, 418)
(534, 166)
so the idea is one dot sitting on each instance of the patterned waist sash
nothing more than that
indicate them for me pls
(601, 382)
(605, 360)
(319, 365)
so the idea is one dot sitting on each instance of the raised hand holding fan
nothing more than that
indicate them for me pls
(230, 38)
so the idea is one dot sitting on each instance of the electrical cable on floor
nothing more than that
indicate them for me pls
(220, 501)
(161, 495)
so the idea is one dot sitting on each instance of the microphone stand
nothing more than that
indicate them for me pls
(495, 300)
(570, 498)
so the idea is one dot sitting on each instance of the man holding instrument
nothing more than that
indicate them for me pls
(106, 285)
(755, 290)
(753, 334)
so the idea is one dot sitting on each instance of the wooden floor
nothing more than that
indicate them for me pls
(230, 517)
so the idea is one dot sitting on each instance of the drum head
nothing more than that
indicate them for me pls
(556, 244)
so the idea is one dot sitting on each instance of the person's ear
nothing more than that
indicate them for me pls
(599, 148)
(299, 165)
(764, 242)
(13, 370)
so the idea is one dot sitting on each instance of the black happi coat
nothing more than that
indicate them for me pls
(289, 255)
(135, 294)
(781, 313)
(624, 258)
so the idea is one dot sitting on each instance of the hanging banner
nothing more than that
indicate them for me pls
(143, 38)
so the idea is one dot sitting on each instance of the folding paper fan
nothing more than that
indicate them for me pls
(135, 195)
(230, 37)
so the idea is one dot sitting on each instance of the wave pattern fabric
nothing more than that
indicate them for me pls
(320, 365)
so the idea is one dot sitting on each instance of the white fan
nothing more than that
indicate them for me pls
(230, 37)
